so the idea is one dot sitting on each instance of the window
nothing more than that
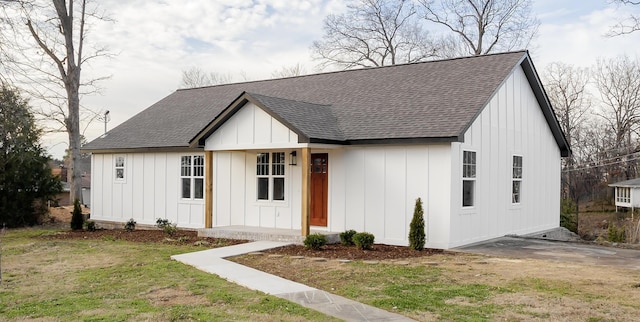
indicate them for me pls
(516, 186)
(468, 178)
(623, 195)
(119, 168)
(192, 177)
(270, 184)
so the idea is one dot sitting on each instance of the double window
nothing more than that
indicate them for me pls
(623, 195)
(468, 178)
(516, 180)
(192, 177)
(119, 168)
(270, 169)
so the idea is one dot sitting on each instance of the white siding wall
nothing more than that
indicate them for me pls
(251, 128)
(374, 189)
(512, 124)
(151, 190)
(235, 199)
(635, 197)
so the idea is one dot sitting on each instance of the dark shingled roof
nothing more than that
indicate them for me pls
(435, 100)
(312, 120)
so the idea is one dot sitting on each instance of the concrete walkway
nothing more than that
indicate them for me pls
(212, 261)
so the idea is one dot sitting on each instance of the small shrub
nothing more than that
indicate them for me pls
(168, 228)
(315, 241)
(130, 225)
(346, 238)
(616, 235)
(363, 240)
(91, 225)
(416, 228)
(77, 221)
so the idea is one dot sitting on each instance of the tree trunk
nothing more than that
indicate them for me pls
(73, 129)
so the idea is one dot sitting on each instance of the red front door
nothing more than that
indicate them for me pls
(319, 188)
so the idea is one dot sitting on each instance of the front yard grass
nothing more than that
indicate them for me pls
(64, 279)
(463, 287)
(92, 280)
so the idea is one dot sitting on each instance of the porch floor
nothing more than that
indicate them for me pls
(261, 233)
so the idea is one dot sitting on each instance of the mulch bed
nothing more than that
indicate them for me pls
(181, 237)
(337, 251)
(187, 237)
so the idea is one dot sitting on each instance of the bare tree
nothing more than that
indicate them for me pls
(618, 82)
(484, 26)
(629, 24)
(566, 88)
(196, 77)
(289, 71)
(374, 33)
(45, 52)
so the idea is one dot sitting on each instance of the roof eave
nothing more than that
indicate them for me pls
(543, 100)
(142, 149)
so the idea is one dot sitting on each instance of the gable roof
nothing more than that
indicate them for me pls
(428, 101)
(312, 122)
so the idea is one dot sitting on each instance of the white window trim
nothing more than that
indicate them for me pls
(463, 179)
(270, 178)
(513, 179)
(192, 178)
(123, 167)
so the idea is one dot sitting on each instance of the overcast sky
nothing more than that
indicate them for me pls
(156, 40)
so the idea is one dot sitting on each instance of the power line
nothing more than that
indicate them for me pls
(601, 165)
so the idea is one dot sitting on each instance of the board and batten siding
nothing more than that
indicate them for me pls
(251, 128)
(150, 190)
(236, 144)
(235, 197)
(371, 188)
(374, 189)
(511, 124)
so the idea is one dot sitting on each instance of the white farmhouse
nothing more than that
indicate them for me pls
(475, 138)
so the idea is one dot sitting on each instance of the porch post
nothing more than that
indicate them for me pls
(208, 191)
(306, 190)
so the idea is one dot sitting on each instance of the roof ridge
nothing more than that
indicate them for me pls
(358, 69)
(287, 99)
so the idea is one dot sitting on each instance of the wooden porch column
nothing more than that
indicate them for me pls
(306, 190)
(208, 190)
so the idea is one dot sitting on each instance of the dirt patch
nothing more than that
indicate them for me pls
(169, 296)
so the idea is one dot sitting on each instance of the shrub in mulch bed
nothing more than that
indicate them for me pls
(337, 251)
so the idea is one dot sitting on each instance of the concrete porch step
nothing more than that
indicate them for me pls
(260, 234)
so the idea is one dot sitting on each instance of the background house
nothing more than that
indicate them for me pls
(627, 194)
(474, 137)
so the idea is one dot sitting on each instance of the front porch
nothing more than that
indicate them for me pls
(261, 233)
